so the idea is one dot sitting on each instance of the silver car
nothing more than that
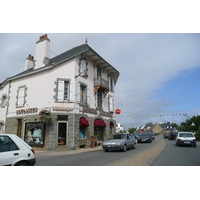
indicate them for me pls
(120, 141)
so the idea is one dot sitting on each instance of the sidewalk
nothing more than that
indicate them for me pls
(81, 150)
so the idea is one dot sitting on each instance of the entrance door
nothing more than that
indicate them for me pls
(98, 132)
(62, 133)
(19, 128)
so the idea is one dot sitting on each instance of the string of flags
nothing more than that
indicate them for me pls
(152, 115)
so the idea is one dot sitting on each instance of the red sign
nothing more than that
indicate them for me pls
(118, 111)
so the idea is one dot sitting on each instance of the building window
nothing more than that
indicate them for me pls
(83, 66)
(99, 99)
(21, 96)
(34, 134)
(83, 94)
(3, 100)
(63, 90)
(110, 81)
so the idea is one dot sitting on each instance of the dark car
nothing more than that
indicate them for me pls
(172, 135)
(135, 135)
(144, 137)
(166, 135)
(152, 136)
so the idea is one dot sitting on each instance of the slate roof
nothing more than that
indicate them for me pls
(82, 49)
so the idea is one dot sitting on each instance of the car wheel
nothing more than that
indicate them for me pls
(134, 146)
(106, 150)
(22, 163)
(194, 145)
(125, 148)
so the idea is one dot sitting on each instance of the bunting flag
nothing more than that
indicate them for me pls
(152, 115)
(124, 124)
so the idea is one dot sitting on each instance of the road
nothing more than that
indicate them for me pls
(96, 158)
(178, 156)
(144, 154)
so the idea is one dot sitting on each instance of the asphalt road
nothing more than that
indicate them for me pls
(178, 156)
(96, 158)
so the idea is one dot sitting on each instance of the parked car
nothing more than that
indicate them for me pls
(185, 138)
(172, 135)
(144, 137)
(14, 151)
(166, 135)
(135, 135)
(120, 141)
(152, 136)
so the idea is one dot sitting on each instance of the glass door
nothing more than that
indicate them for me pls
(62, 133)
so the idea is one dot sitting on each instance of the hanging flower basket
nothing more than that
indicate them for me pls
(45, 117)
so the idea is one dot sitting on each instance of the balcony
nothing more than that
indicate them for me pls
(101, 84)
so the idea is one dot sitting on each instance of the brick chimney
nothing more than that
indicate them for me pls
(29, 63)
(42, 51)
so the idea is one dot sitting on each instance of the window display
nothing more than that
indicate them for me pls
(34, 134)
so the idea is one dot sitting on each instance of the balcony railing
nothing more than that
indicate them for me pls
(100, 82)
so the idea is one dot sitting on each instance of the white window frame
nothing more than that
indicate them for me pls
(21, 94)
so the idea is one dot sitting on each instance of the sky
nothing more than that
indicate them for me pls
(159, 72)
(154, 45)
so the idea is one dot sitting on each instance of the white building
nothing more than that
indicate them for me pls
(119, 128)
(76, 87)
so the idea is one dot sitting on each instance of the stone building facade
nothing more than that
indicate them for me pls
(74, 90)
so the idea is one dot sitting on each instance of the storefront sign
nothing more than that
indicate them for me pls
(62, 109)
(27, 111)
(89, 110)
(105, 113)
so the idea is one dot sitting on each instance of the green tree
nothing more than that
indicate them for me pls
(131, 130)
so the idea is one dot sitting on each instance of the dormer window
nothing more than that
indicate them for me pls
(83, 67)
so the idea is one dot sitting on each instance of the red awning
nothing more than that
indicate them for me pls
(83, 122)
(99, 122)
(111, 125)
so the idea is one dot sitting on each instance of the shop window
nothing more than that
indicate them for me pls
(62, 117)
(34, 134)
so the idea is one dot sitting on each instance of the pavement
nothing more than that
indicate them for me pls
(81, 150)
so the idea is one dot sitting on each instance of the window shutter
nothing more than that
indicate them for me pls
(78, 93)
(88, 97)
(103, 101)
(95, 71)
(21, 94)
(72, 92)
(111, 104)
(60, 91)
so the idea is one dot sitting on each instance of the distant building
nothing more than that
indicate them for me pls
(158, 128)
(119, 128)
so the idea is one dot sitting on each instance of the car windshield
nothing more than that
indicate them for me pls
(119, 136)
(186, 135)
(144, 134)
